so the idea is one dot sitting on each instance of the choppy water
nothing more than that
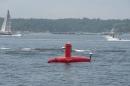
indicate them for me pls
(23, 61)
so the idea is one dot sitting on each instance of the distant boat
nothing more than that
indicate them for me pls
(112, 35)
(110, 38)
(6, 26)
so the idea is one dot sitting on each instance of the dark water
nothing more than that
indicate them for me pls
(23, 61)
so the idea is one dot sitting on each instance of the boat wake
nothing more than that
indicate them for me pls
(110, 38)
(28, 51)
(77, 50)
(18, 35)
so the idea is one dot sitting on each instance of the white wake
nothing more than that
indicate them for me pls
(110, 38)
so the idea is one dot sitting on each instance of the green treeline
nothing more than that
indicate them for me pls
(69, 25)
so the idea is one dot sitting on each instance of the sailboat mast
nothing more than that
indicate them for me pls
(6, 26)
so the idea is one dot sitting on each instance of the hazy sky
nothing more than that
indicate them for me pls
(104, 9)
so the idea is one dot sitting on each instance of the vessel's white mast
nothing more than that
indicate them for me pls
(6, 26)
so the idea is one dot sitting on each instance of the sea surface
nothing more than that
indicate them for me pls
(23, 60)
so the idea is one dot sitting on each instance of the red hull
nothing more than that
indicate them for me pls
(66, 60)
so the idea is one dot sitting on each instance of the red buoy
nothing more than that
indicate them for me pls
(68, 58)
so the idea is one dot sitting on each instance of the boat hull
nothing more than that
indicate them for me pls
(5, 33)
(63, 59)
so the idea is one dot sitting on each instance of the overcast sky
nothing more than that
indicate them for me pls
(53, 9)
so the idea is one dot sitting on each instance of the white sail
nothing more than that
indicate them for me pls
(6, 26)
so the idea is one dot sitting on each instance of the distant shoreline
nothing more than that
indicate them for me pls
(70, 25)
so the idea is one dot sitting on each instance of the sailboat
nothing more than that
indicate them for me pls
(6, 26)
